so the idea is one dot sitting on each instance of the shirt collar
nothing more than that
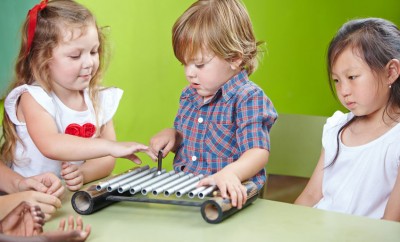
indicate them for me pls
(228, 90)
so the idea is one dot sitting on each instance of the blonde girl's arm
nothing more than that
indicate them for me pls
(94, 169)
(44, 133)
(312, 193)
(392, 210)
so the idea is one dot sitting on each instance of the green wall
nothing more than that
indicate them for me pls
(13, 13)
(292, 73)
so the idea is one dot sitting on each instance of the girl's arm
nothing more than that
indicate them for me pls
(44, 133)
(47, 203)
(12, 182)
(94, 169)
(313, 191)
(392, 211)
(9, 179)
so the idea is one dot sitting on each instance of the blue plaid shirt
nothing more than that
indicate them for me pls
(218, 132)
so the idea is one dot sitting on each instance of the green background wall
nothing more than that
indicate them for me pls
(292, 73)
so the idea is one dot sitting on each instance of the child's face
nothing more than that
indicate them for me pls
(207, 72)
(357, 87)
(75, 60)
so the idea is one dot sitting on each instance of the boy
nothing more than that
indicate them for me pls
(222, 126)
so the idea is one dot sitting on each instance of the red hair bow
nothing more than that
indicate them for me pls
(86, 131)
(32, 14)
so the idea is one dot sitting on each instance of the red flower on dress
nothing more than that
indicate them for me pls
(86, 131)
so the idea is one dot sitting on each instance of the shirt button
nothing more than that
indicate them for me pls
(200, 120)
(194, 158)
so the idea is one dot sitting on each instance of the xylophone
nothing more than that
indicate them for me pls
(138, 184)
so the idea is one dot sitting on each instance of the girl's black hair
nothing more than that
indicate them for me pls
(377, 41)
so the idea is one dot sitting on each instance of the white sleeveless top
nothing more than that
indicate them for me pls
(362, 178)
(29, 161)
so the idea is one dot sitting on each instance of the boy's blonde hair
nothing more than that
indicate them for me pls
(221, 26)
(32, 66)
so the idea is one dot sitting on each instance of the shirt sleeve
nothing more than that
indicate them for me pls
(38, 93)
(109, 99)
(255, 117)
(331, 127)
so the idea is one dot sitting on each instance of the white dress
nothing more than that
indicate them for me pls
(362, 178)
(28, 159)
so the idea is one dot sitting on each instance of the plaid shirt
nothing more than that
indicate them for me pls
(218, 132)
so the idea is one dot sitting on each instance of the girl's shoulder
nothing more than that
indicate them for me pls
(110, 93)
(34, 90)
(338, 119)
(109, 99)
(37, 92)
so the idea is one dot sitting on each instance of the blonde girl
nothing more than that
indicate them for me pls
(57, 117)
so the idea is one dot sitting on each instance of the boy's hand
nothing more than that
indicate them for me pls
(48, 203)
(228, 183)
(166, 140)
(72, 175)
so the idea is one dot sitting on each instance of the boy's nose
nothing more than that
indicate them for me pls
(189, 72)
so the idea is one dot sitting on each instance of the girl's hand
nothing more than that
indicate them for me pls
(127, 150)
(72, 175)
(48, 203)
(228, 183)
(23, 220)
(46, 183)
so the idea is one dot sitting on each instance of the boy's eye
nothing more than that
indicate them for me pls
(199, 65)
(75, 56)
(94, 52)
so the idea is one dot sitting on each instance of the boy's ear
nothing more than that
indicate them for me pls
(393, 70)
(236, 63)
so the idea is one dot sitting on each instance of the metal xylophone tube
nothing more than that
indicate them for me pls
(104, 184)
(156, 185)
(116, 185)
(128, 186)
(213, 210)
(185, 190)
(183, 184)
(173, 183)
(157, 178)
(205, 192)
(193, 193)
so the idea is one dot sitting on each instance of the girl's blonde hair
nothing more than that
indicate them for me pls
(32, 66)
(221, 26)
